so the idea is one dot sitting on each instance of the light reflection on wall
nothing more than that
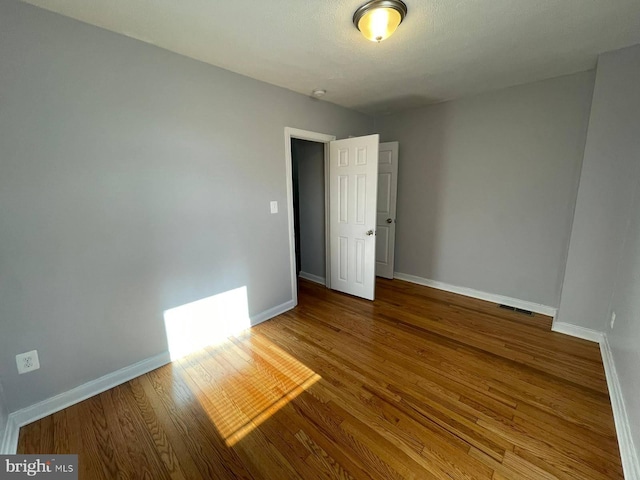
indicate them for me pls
(206, 322)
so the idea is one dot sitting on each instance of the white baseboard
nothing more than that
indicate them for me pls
(628, 452)
(9, 438)
(470, 292)
(313, 278)
(19, 418)
(579, 332)
(272, 312)
(59, 402)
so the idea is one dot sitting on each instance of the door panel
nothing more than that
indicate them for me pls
(384, 192)
(382, 244)
(386, 208)
(353, 174)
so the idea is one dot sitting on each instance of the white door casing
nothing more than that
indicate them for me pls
(386, 209)
(290, 133)
(353, 182)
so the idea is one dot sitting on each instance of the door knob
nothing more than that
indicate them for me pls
(389, 220)
(369, 232)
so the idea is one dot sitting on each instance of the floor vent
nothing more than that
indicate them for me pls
(519, 310)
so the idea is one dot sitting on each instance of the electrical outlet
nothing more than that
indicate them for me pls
(27, 361)
(613, 319)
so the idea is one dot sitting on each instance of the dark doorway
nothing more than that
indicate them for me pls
(309, 208)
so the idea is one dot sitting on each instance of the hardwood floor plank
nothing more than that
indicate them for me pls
(46, 434)
(603, 445)
(418, 384)
(96, 441)
(130, 431)
(289, 446)
(322, 425)
(29, 438)
(426, 437)
(161, 443)
(224, 463)
(545, 450)
(74, 439)
(175, 391)
(61, 433)
(323, 462)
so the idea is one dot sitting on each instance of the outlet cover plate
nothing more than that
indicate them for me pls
(27, 361)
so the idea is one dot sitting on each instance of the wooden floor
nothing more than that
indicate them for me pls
(418, 384)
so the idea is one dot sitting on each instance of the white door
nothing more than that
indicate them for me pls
(386, 210)
(353, 181)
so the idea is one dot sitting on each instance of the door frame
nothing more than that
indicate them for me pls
(289, 134)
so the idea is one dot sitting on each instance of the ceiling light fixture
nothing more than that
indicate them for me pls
(319, 92)
(378, 19)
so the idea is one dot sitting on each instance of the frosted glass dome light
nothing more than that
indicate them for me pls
(378, 19)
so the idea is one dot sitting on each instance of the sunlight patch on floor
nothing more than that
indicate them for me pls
(247, 382)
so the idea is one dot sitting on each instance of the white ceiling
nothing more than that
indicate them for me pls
(444, 49)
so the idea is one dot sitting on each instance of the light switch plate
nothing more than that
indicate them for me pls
(274, 206)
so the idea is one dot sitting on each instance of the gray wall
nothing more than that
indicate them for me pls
(487, 186)
(625, 336)
(605, 194)
(4, 414)
(309, 157)
(603, 269)
(133, 180)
